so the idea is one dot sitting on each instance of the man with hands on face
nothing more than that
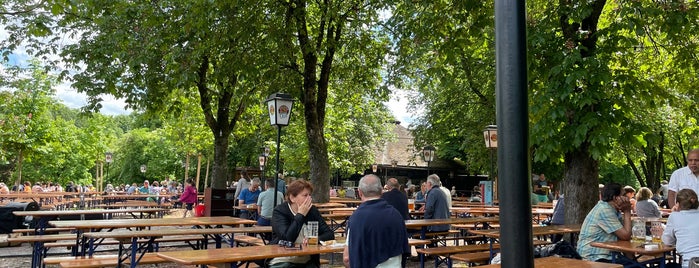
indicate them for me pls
(609, 220)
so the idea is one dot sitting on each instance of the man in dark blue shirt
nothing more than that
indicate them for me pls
(396, 198)
(377, 233)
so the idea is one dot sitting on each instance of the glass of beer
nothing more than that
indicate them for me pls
(411, 204)
(311, 232)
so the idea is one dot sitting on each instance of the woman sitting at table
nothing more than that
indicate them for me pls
(681, 229)
(645, 206)
(289, 219)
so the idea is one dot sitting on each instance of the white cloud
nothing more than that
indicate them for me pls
(398, 104)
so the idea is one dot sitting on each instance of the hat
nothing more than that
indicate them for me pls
(663, 182)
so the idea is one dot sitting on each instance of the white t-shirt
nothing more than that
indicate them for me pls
(681, 231)
(683, 178)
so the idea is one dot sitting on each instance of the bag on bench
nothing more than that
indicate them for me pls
(561, 248)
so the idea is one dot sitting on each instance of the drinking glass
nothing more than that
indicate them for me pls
(311, 232)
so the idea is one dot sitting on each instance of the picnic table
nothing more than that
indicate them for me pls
(44, 216)
(138, 247)
(494, 234)
(555, 262)
(233, 256)
(97, 225)
(637, 250)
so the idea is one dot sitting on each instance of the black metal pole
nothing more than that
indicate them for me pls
(512, 121)
(492, 176)
(276, 176)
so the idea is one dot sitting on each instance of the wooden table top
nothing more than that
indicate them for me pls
(135, 196)
(227, 255)
(43, 213)
(336, 209)
(536, 231)
(329, 205)
(429, 222)
(344, 200)
(631, 247)
(176, 231)
(555, 262)
(126, 223)
(495, 210)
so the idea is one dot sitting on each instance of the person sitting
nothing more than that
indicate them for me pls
(350, 193)
(646, 207)
(602, 225)
(4, 189)
(630, 193)
(291, 217)
(248, 196)
(378, 222)
(396, 198)
(266, 202)
(681, 230)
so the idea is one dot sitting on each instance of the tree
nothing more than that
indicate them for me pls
(314, 35)
(146, 51)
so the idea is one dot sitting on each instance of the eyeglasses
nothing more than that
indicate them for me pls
(288, 244)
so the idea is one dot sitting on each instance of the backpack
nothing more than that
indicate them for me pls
(561, 249)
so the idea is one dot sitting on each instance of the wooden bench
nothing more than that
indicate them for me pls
(148, 258)
(443, 237)
(41, 238)
(443, 254)
(243, 240)
(30, 231)
(472, 258)
(58, 260)
(182, 238)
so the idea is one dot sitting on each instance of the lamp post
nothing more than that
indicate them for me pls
(374, 168)
(428, 156)
(107, 158)
(490, 134)
(143, 170)
(262, 158)
(279, 107)
(394, 163)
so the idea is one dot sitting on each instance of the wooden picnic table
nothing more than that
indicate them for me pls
(329, 205)
(494, 234)
(536, 231)
(232, 256)
(44, 216)
(133, 237)
(637, 250)
(97, 225)
(556, 262)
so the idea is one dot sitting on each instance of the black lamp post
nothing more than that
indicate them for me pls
(428, 156)
(107, 158)
(143, 170)
(490, 134)
(279, 107)
(263, 162)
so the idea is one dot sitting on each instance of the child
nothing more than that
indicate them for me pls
(189, 197)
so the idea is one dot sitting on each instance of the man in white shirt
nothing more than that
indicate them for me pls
(684, 178)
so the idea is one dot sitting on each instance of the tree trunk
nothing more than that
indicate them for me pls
(319, 165)
(219, 173)
(198, 171)
(580, 184)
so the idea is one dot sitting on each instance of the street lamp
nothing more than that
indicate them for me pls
(143, 170)
(263, 162)
(428, 156)
(279, 107)
(107, 158)
(374, 168)
(394, 163)
(490, 134)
